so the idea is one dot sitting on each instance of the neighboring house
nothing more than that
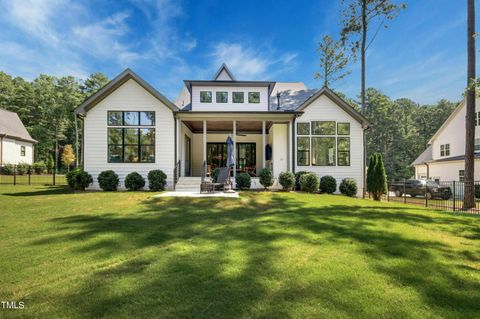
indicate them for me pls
(16, 144)
(444, 158)
(129, 126)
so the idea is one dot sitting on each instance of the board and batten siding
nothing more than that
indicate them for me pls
(130, 96)
(324, 109)
(230, 106)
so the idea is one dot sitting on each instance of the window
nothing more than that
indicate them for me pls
(205, 97)
(238, 97)
(303, 151)
(217, 154)
(22, 150)
(461, 175)
(343, 128)
(253, 97)
(246, 155)
(323, 128)
(303, 128)
(128, 144)
(477, 144)
(222, 97)
(445, 150)
(477, 118)
(323, 143)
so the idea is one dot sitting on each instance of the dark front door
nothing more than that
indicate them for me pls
(188, 156)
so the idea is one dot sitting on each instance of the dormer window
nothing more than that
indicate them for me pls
(205, 96)
(222, 97)
(238, 97)
(253, 97)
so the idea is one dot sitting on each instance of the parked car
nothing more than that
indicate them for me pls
(421, 187)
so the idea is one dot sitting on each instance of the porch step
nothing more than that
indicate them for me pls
(188, 184)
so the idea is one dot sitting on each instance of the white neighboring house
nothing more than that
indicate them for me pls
(16, 144)
(444, 158)
(129, 126)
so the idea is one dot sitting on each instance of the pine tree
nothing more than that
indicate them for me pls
(370, 170)
(378, 178)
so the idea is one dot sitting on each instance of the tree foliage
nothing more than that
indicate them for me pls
(68, 157)
(377, 178)
(333, 61)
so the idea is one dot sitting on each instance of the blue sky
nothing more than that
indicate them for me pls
(422, 55)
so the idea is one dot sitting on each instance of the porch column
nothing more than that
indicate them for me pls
(290, 147)
(179, 142)
(234, 150)
(264, 144)
(204, 141)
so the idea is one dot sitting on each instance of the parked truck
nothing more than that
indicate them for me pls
(420, 187)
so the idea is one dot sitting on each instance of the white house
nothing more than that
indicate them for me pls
(129, 126)
(16, 144)
(444, 158)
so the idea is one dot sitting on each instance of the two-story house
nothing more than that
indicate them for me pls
(130, 126)
(444, 158)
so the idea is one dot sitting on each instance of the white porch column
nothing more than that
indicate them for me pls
(264, 144)
(234, 150)
(204, 141)
(290, 147)
(179, 141)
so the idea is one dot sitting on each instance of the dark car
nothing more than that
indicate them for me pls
(421, 187)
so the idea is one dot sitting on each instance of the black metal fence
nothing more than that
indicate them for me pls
(436, 195)
(24, 174)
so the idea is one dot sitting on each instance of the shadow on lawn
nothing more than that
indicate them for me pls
(192, 273)
(46, 190)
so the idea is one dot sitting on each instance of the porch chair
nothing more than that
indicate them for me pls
(222, 180)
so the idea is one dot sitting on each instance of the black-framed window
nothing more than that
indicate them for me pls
(303, 128)
(129, 144)
(246, 155)
(343, 151)
(445, 150)
(205, 96)
(303, 151)
(221, 97)
(22, 150)
(461, 175)
(217, 154)
(323, 151)
(238, 97)
(323, 128)
(253, 97)
(343, 128)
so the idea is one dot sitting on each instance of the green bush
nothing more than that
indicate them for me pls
(376, 177)
(108, 180)
(23, 169)
(287, 180)
(39, 167)
(78, 179)
(8, 169)
(349, 187)
(309, 183)
(328, 184)
(266, 177)
(243, 181)
(477, 191)
(298, 175)
(215, 174)
(134, 181)
(157, 180)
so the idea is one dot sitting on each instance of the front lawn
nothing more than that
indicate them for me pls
(264, 255)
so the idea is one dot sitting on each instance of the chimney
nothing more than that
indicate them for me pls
(278, 100)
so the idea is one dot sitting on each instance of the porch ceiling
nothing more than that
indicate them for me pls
(227, 126)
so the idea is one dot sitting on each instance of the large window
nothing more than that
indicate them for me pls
(205, 97)
(217, 154)
(129, 144)
(323, 143)
(238, 97)
(222, 97)
(445, 150)
(253, 97)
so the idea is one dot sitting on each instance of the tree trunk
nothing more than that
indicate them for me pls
(469, 198)
(363, 49)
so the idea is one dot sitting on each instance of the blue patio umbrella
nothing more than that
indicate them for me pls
(230, 160)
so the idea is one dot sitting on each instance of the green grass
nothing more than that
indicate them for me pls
(270, 255)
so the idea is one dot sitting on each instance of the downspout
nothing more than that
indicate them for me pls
(175, 147)
(428, 169)
(293, 143)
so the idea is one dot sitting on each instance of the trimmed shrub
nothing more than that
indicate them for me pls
(266, 177)
(298, 175)
(8, 169)
(39, 167)
(243, 181)
(78, 179)
(309, 183)
(328, 184)
(23, 168)
(134, 181)
(349, 187)
(214, 174)
(287, 180)
(377, 178)
(108, 180)
(157, 180)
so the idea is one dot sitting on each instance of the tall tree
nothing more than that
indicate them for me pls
(67, 156)
(469, 198)
(333, 60)
(93, 83)
(358, 15)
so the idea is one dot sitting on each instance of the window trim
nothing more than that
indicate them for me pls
(334, 138)
(233, 97)
(349, 150)
(252, 92)
(319, 134)
(23, 150)
(349, 128)
(309, 150)
(217, 94)
(309, 128)
(200, 96)
(445, 150)
(461, 175)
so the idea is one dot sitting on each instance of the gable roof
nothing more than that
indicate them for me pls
(222, 68)
(426, 156)
(116, 83)
(11, 126)
(337, 100)
(450, 118)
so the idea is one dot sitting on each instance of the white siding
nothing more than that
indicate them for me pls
(279, 143)
(230, 106)
(448, 171)
(11, 152)
(324, 109)
(129, 97)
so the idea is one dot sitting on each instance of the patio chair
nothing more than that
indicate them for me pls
(222, 180)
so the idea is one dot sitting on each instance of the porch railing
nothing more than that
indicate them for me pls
(176, 173)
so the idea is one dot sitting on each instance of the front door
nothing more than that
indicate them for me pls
(188, 156)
